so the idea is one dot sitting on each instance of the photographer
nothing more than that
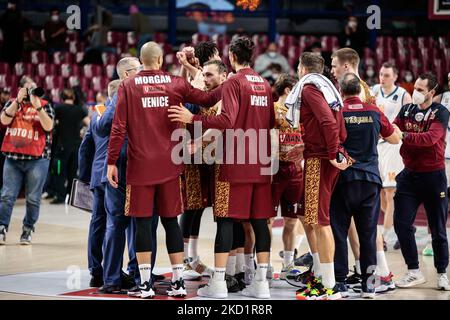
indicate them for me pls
(27, 143)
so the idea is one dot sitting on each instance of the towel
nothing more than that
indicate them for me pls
(293, 100)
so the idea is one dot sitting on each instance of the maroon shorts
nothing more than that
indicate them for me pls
(243, 201)
(320, 178)
(287, 188)
(166, 196)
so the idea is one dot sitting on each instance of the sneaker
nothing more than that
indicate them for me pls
(232, 284)
(110, 289)
(281, 254)
(147, 291)
(25, 238)
(127, 281)
(428, 251)
(289, 269)
(2, 235)
(177, 289)
(397, 245)
(158, 277)
(300, 280)
(214, 289)
(134, 292)
(96, 281)
(367, 292)
(442, 282)
(198, 266)
(385, 247)
(386, 284)
(189, 273)
(319, 292)
(240, 279)
(257, 289)
(354, 279)
(249, 274)
(305, 260)
(311, 283)
(342, 288)
(411, 279)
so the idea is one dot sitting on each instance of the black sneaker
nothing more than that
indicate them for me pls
(158, 277)
(354, 280)
(177, 289)
(385, 248)
(108, 289)
(397, 245)
(305, 260)
(134, 292)
(232, 284)
(367, 291)
(25, 238)
(300, 280)
(96, 281)
(342, 288)
(127, 281)
(2, 235)
(147, 291)
(240, 279)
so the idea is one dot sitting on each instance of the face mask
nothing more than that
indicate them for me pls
(272, 54)
(370, 73)
(352, 24)
(55, 18)
(408, 78)
(418, 97)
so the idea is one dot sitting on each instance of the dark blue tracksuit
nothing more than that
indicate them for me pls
(422, 181)
(357, 193)
(90, 169)
(118, 225)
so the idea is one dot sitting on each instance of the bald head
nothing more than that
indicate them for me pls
(152, 55)
(350, 85)
(127, 66)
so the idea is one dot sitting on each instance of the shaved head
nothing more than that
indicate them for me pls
(125, 65)
(151, 54)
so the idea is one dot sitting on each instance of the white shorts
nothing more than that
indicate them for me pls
(447, 171)
(390, 163)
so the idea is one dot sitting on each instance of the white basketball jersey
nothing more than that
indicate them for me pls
(390, 104)
(445, 101)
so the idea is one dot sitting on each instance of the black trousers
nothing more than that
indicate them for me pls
(430, 189)
(360, 200)
(64, 167)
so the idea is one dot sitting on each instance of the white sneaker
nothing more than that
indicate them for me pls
(285, 270)
(2, 235)
(198, 266)
(249, 274)
(257, 289)
(442, 282)
(190, 274)
(411, 279)
(147, 290)
(214, 289)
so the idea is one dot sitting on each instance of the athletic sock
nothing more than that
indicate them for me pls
(145, 270)
(316, 264)
(298, 241)
(219, 274)
(382, 266)
(177, 272)
(358, 266)
(249, 261)
(240, 262)
(327, 272)
(186, 250)
(231, 265)
(288, 257)
(193, 246)
(261, 271)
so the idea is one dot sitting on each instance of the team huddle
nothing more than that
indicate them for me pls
(329, 157)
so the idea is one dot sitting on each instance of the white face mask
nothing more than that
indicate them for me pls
(418, 97)
(55, 18)
(370, 73)
(408, 78)
(352, 24)
(272, 54)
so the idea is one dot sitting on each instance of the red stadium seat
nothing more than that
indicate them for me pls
(73, 81)
(45, 69)
(39, 57)
(79, 56)
(76, 46)
(72, 36)
(85, 83)
(159, 37)
(54, 82)
(110, 68)
(5, 80)
(4, 68)
(21, 68)
(99, 83)
(67, 70)
(55, 95)
(198, 37)
(90, 97)
(131, 39)
(109, 58)
(61, 57)
(114, 37)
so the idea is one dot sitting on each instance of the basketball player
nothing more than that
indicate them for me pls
(347, 60)
(141, 114)
(389, 98)
(246, 104)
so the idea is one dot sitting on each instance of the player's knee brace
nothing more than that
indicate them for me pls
(238, 235)
(262, 235)
(224, 235)
(174, 238)
(143, 236)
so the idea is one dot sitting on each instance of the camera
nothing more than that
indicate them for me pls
(38, 92)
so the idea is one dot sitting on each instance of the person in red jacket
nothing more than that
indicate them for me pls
(424, 126)
(152, 175)
(245, 191)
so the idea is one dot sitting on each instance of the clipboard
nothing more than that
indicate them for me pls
(81, 196)
(100, 109)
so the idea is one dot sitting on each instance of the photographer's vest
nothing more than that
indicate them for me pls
(25, 134)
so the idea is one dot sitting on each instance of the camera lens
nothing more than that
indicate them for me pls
(38, 92)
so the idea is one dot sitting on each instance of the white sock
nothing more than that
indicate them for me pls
(429, 239)
(145, 270)
(219, 274)
(249, 261)
(382, 266)
(358, 266)
(177, 272)
(240, 262)
(316, 264)
(288, 257)
(416, 271)
(298, 240)
(193, 246)
(386, 233)
(186, 250)
(270, 257)
(231, 265)
(327, 271)
(261, 271)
